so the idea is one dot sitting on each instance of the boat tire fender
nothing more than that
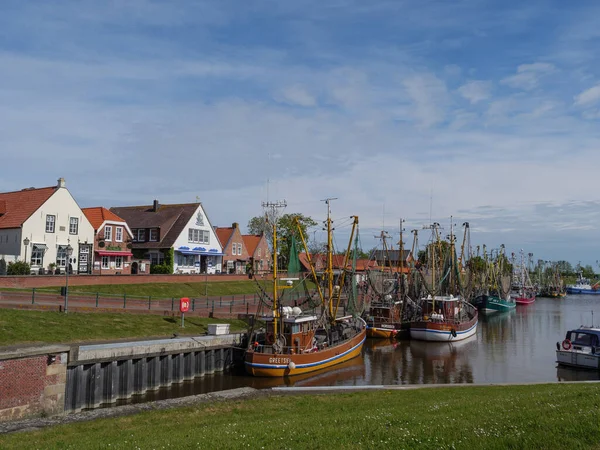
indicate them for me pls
(453, 332)
(566, 344)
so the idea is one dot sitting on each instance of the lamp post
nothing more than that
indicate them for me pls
(26, 243)
(69, 250)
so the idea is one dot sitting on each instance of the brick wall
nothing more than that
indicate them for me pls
(28, 282)
(32, 385)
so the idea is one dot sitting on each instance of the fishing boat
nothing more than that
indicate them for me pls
(496, 299)
(489, 304)
(580, 348)
(583, 286)
(294, 342)
(386, 290)
(444, 317)
(523, 292)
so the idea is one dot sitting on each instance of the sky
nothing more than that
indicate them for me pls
(484, 111)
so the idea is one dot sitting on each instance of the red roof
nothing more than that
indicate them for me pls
(18, 206)
(98, 214)
(224, 234)
(251, 241)
(338, 260)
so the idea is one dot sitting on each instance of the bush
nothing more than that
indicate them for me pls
(2, 266)
(18, 268)
(161, 269)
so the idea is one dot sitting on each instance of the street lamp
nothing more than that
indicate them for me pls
(69, 250)
(26, 243)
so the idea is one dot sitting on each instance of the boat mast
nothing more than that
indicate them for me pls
(329, 269)
(274, 206)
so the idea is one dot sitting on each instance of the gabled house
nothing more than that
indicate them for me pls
(112, 244)
(391, 258)
(181, 229)
(260, 254)
(235, 253)
(39, 226)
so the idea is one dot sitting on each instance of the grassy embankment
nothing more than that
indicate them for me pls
(19, 327)
(542, 416)
(163, 290)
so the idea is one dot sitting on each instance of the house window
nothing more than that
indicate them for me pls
(259, 252)
(61, 256)
(154, 234)
(206, 237)
(119, 234)
(141, 235)
(233, 249)
(37, 256)
(239, 249)
(198, 236)
(73, 225)
(105, 262)
(134, 235)
(229, 264)
(107, 233)
(119, 262)
(50, 222)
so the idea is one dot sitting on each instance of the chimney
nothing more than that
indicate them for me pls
(235, 225)
(155, 205)
(61, 183)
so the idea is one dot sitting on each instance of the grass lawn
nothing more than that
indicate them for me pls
(18, 326)
(520, 417)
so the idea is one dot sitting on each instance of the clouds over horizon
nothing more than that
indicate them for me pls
(132, 103)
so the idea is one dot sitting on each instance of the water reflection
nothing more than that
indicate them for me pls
(512, 347)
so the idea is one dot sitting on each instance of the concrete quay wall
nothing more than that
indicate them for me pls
(51, 380)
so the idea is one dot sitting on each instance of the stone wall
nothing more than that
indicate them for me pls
(32, 382)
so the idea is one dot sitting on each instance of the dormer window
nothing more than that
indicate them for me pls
(141, 235)
(107, 233)
(154, 234)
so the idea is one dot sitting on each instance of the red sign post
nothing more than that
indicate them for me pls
(184, 306)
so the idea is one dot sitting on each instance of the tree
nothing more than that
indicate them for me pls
(565, 267)
(588, 272)
(286, 228)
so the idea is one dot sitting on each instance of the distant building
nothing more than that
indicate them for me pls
(185, 228)
(37, 226)
(260, 254)
(235, 252)
(391, 258)
(112, 244)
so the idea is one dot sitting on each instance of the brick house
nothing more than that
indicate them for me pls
(40, 226)
(235, 253)
(112, 243)
(185, 228)
(259, 251)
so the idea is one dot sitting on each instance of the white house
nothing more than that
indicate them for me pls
(183, 227)
(38, 225)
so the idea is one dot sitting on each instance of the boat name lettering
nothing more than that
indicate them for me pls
(279, 360)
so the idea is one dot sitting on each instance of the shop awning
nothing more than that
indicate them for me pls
(40, 246)
(108, 253)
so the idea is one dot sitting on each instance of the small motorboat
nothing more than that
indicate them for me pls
(580, 348)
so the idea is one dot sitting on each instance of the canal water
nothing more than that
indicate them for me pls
(514, 347)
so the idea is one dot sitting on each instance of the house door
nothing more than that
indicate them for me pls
(134, 268)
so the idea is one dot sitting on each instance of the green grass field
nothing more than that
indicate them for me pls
(18, 326)
(502, 417)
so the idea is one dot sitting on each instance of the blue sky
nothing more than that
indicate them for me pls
(485, 110)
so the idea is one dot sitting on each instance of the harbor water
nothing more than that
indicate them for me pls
(514, 347)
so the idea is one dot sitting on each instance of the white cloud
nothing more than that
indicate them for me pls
(297, 95)
(475, 90)
(429, 96)
(588, 97)
(528, 76)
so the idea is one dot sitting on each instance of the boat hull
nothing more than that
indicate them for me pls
(493, 305)
(283, 365)
(380, 332)
(576, 291)
(578, 359)
(524, 300)
(443, 332)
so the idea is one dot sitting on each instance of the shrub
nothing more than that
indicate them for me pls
(160, 269)
(18, 268)
(2, 266)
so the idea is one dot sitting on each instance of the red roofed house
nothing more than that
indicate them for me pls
(235, 253)
(260, 254)
(38, 225)
(112, 243)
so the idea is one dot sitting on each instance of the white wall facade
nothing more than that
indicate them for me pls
(63, 207)
(194, 263)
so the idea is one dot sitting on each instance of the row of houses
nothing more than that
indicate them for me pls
(46, 228)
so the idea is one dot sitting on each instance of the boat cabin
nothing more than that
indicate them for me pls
(298, 333)
(441, 308)
(584, 337)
